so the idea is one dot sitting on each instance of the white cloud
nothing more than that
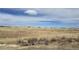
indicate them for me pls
(31, 12)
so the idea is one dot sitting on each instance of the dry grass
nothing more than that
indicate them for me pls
(37, 38)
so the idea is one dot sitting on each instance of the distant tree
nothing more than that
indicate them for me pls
(29, 26)
(39, 27)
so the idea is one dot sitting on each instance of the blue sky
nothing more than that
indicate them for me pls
(54, 17)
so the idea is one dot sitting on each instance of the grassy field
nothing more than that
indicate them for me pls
(38, 38)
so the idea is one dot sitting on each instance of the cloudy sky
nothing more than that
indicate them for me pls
(54, 17)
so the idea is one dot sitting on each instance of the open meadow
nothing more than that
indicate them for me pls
(38, 38)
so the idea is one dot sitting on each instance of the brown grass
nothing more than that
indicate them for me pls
(37, 38)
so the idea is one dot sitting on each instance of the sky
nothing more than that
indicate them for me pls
(50, 17)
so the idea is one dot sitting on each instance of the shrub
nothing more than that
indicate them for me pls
(63, 37)
(32, 41)
(76, 39)
(22, 42)
(70, 40)
(43, 41)
(53, 40)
